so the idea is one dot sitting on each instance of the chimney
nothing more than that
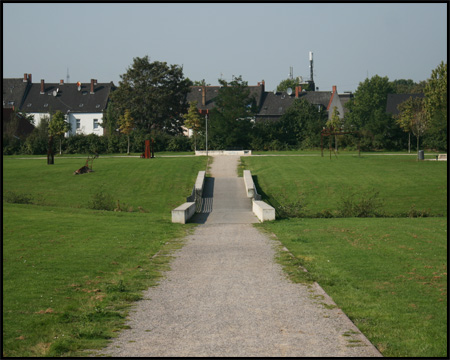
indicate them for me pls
(29, 78)
(92, 86)
(61, 82)
(263, 84)
(203, 95)
(25, 79)
(42, 87)
(334, 89)
(298, 90)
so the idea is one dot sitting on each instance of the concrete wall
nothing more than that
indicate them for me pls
(223, 152)
(263, 211)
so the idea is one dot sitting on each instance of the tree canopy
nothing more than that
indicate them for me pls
(155, 93)
(230, 121)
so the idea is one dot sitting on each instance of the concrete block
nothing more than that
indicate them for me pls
(263, 211)
(249, 184)
(183, 212)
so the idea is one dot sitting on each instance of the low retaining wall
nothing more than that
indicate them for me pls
(263, 211)
(193, 202)
(183, 212)
(223, 152)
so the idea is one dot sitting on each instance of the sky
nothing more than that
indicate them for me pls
(258, 41)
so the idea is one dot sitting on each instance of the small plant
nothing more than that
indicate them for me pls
(368, 205)
(17, 198)
(291, 207)
(102, 201)
(414, 213)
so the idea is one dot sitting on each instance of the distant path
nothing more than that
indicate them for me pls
(226, 296)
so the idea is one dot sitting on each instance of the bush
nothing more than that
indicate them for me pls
(368, 205)
(17, 198)
(102, 201)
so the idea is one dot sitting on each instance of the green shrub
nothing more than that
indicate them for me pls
(17, 198)
(102, 201)
(363, 205)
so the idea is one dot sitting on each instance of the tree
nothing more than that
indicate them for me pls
(126, 126)
(435, 106)
(301, 124)
(193, 120)
(155, 94)
(413, 118)
(402, 86)
(57, 127)
(335, 123)
(231, 120)
(367, 113)
(200, 83)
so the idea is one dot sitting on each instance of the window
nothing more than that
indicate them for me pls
(78, 123)
(95, 123)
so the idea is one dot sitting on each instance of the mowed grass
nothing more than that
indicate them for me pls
(69, 272)
(389, 275)
(401, 182)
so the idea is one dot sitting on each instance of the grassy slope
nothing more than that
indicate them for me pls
(389, 275)
(69, 272)
(401, 181)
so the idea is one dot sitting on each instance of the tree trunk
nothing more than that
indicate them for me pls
(60, 146)
(128, 149)
(409, 142)
(417, 147)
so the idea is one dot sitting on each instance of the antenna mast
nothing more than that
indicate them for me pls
(67, 77)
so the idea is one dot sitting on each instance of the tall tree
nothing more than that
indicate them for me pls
(367, 113)
(413, 118)
(231, 120)
(155, 93)
(301, 124)
(335, 123)
(435, 105)
(57, 127)
(193, 120)
(126, 126)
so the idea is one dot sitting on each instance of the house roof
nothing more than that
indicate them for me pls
(68, 98)
(21, 128)
(277, 104)
(393, 100)
(14, 91)
(211, 93)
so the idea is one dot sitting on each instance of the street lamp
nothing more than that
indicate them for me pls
(206, 117)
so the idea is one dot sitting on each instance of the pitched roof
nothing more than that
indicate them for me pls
(21, 128)
(68, 98)
(211, 92)
(393, 100)
(14, 91)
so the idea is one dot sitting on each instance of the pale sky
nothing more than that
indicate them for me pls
(259, 41)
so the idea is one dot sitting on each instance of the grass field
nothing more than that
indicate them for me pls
(313, 185)
(389, 275)
(70, 272)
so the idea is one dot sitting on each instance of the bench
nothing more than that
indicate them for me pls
(263, 211)
(183, 213)
(442, 157)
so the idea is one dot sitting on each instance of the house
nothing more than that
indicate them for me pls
(82, 103)
(394, 100)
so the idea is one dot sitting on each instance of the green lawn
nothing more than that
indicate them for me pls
(318, 184)
(389, 275)
(70, 272)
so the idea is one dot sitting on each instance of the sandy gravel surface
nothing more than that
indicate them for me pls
(226, 296)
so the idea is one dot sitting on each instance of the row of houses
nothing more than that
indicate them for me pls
(84, 103)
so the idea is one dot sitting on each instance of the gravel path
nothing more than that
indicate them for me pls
(226, 296)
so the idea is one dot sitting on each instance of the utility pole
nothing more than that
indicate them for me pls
(206, 117)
